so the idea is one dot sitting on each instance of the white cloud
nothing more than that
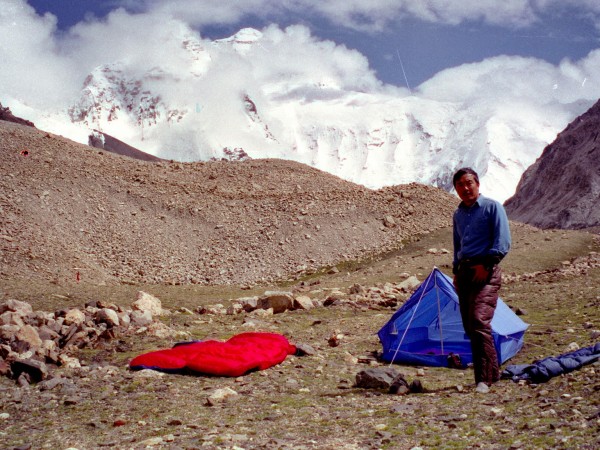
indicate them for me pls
(141, 41)
(33, 67)
(295, 53)
(373, 15)
(504, 78)
(377, 14)
(153, 40)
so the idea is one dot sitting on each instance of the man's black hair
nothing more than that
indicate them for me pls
(460, 172)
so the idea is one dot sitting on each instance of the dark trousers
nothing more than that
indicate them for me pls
(477, 305)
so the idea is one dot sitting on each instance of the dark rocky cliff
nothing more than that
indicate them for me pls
(562, 188)
(107, 142)
(7, 115)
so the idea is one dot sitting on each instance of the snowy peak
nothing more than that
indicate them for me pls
(239, 97)
(255, 118)
(110, 95)
(242, 40)
(198, 55)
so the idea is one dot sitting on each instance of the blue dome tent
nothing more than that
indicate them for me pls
(428, 328)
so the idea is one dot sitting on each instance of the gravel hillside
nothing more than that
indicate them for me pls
(69, 212)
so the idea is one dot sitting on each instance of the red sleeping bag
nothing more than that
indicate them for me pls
(239, 355)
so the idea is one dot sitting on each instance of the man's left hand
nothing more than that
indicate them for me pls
(480, 274)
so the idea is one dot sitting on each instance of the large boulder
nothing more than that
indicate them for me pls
(377, 377)
(278, 301)
(22, 308)
(147, 302)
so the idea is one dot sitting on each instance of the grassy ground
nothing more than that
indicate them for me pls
(310, 402)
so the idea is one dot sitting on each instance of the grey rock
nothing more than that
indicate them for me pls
(409, 284)
(399, 386)
(334, 299)
(357, 289)
(279, 301)
(51, 383)
(248, 304)
(74, 316)
(220, 396)
(7, 332)
(23, 308)
(521, 312)
(303, 302)
(28, 335)
(35, 370)
(377, 377)
(11, 318)
(389, 222)
(108, 316)
(47, 334)
(140, 318)
(416, 387)
(305, 350)
(23, 380)
(147, 302)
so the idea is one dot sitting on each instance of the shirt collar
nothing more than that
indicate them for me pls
(462, 205)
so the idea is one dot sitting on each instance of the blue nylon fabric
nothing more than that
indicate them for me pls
(415, 333)
(543, 370)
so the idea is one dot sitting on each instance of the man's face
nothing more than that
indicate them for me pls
(467, 189)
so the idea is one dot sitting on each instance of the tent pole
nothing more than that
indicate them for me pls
(411, 318)
(439, 316)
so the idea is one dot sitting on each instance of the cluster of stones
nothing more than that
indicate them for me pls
(575, 267)
(358, 296)
(387, 378)
(32, 342)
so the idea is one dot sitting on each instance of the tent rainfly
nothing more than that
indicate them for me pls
(428, 328)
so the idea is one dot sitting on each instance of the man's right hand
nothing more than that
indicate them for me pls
(480, 273)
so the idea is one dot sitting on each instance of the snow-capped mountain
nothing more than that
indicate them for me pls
(219, 101)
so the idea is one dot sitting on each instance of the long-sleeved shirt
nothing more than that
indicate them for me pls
(481, 231)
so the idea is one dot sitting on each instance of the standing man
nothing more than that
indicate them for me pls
(481, 240)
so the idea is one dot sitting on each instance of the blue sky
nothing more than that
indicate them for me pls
(391, 34)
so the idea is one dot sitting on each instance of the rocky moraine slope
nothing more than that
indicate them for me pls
(70, 211)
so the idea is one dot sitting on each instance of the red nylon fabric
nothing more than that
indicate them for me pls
(237, 356)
